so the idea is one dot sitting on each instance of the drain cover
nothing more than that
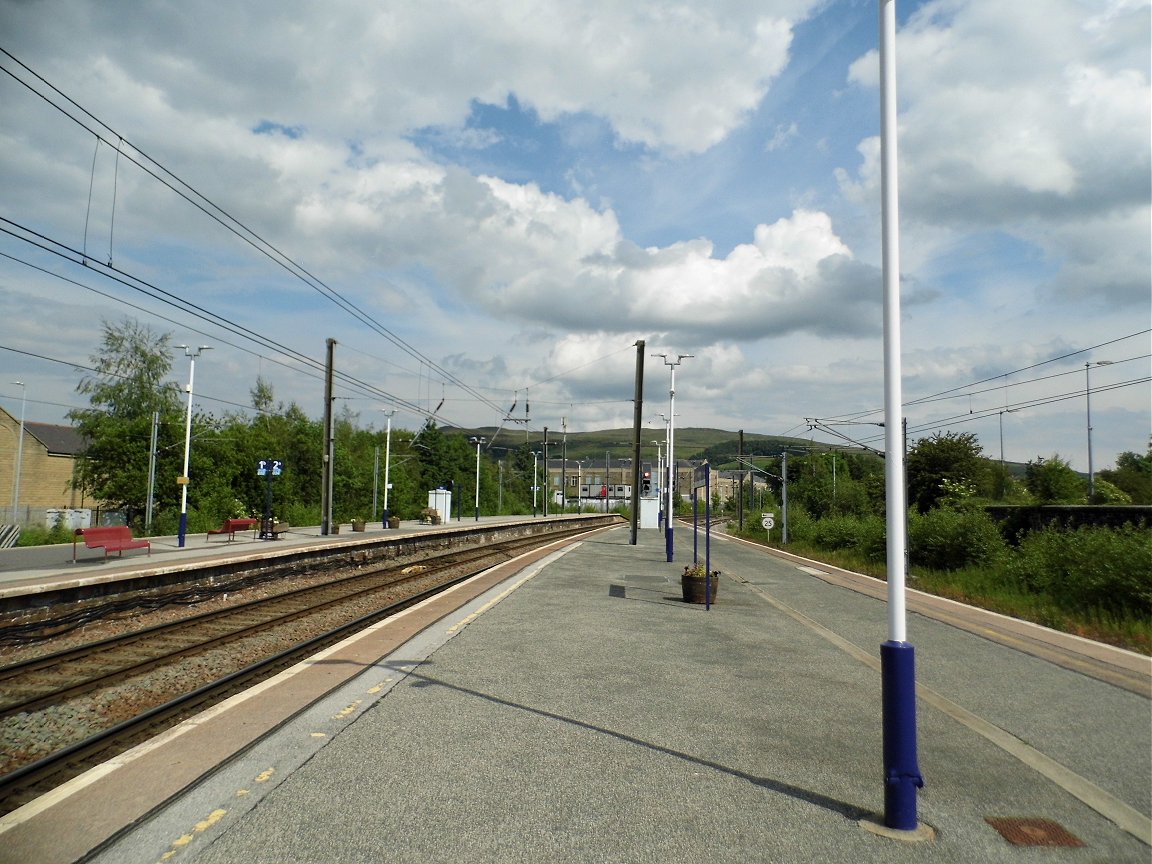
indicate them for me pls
(1034, 832)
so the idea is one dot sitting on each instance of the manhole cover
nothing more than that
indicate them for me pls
(1034, 832)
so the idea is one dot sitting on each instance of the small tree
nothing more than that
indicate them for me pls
(1052, 481)
(1132, 475)
(125, 389)
(946, 456)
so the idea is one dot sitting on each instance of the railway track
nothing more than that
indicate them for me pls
(85, 704)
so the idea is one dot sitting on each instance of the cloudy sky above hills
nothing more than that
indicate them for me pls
(517, 192)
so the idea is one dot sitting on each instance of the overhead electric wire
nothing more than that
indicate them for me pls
(313, 368)
(857, 415)
(232, 224)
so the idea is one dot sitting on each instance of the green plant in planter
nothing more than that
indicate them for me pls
(694, 582)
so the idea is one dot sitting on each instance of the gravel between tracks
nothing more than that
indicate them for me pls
(27, 736)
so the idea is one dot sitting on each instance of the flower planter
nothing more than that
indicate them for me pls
(693, 588)
(394, 522)
(358, 525)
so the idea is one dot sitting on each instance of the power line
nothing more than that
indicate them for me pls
(226, 220)
(956, 390)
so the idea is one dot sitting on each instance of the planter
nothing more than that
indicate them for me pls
(334, 528)
(394, 522)
(358, 525)
(693, 588)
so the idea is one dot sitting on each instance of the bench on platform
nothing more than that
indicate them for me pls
(113, 538)
(231, 526)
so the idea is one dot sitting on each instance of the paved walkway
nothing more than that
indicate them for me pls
(25, 563)
(580, 712)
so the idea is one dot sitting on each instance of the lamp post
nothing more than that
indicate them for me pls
(191, 354)
(477, 442)
(659, 462)
(607, 478)
(1088, 412)
(1003, 478)
(387, 460)
(671, 364)
(19, 454)
(535, 479)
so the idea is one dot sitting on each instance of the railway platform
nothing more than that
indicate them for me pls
(576, 710)
(24, 565)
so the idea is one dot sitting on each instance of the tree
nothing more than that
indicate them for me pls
(1132, 475)
(1052, 481)
(946, 456)
(125, 389)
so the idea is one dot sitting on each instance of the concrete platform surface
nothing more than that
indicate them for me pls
(579, 711)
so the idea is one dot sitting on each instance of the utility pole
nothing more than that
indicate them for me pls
(329, 443)
(547, 479)
(740, 462)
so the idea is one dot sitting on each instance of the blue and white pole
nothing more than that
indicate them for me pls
(672, 364)
(192, 354)
(897, 660)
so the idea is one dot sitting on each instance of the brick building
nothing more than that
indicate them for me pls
(47, 463)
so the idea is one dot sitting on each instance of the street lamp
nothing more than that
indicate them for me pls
(1003, 478)
(19, 453)
(477, 442)
(535, 479)
(672, 364)
(191, 354)
(387, 460)
(659, 461)
(1002, 413)
(1088, 411)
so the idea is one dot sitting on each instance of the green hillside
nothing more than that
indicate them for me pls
(717, 445)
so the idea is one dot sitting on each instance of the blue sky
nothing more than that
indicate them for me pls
(519, 194)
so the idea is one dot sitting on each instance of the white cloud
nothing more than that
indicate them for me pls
(1016, 120)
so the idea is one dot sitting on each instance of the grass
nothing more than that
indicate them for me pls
(988, 589)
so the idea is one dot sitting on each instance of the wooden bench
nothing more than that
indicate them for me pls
(231, 526)
(114, 538)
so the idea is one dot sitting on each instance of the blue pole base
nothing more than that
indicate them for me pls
(183, 530)
(901, 770)
(668, 540)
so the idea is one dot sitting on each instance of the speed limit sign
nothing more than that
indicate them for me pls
(768, 521)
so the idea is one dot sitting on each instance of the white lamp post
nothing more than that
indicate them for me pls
(477, 442)
(387, 460)
(191, 354)
(897, 657)
(1088, 411)
(535, 479)
(659, 463)
(672, 364)
(19, 454)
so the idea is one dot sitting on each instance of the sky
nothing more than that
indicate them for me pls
(487, 204)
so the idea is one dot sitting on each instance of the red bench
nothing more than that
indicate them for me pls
(231, 526)
(114, 538)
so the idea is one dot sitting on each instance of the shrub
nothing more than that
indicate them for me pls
(862, 534)
(1106, 568)
(947, 539)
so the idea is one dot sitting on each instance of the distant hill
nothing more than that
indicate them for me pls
(716, 445)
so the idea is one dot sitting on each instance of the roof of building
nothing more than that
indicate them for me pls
(59, 440)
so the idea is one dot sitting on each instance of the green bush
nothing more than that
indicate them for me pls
(862, 534)
(1106, 568)
(38, 535)
(948, 539)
